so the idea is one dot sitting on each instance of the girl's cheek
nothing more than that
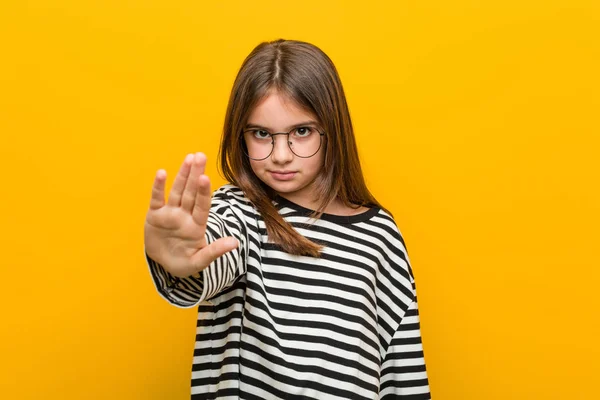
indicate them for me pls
(254, 165)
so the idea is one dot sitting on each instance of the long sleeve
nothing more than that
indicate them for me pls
(225, 219)
(403, 372)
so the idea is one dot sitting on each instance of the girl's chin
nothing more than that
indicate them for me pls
(284, 187)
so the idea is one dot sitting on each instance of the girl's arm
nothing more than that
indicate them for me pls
(403, 372)
(193, 240)
(224, 220)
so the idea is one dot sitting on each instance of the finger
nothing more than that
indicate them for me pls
(191, 186)
(157, 200)
(180, 179)
(210, 253)
(203, 201)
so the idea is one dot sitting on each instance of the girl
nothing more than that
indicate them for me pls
(302, 279)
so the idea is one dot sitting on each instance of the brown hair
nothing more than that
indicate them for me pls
(306, 75)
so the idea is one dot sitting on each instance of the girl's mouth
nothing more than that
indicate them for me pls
(282, 175)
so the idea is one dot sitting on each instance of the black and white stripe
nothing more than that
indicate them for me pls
(273, 325)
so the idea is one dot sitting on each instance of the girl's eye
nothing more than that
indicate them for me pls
(260, 134)
(303, 131)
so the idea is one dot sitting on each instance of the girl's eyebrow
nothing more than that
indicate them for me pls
(256, 126)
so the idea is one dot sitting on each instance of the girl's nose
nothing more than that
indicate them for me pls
(281, 151)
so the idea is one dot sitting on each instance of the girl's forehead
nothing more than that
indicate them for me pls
(278, 111)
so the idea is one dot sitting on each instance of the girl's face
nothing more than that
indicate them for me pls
(292, 177)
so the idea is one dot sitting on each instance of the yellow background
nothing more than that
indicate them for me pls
(478, 127)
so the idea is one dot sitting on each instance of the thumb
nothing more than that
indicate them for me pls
(210, 253)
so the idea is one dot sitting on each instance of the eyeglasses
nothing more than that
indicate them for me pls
(303, 141)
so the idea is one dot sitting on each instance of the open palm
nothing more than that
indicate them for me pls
(174, 232)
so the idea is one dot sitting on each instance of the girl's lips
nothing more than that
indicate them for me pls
(282, 175)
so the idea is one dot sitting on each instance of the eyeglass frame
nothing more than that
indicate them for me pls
(272, 136)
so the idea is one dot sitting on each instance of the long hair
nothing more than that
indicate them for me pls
(305, 74)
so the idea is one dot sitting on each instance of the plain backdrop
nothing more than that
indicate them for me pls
(478, 127)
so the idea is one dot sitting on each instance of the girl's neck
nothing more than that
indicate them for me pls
(335, 207)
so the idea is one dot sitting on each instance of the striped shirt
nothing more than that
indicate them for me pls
(277, 326)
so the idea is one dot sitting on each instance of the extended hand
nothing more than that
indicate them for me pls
(174, 232)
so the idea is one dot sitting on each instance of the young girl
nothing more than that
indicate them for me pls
(302, 279)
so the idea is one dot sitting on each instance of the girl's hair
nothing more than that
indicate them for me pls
(306, 75)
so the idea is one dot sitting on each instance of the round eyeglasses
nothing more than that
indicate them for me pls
(303, 141)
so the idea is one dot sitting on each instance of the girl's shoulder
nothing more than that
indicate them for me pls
(229, 190)
(375, 220)
(232, 196)
(371, 221)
